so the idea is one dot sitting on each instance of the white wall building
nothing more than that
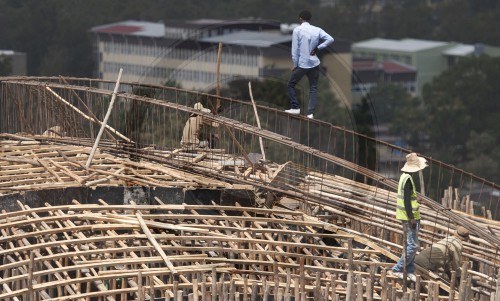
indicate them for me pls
(18, 61)
(186, 52)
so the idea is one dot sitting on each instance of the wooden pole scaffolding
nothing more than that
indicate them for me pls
(421, 179)
(86, 116)
(105, 121)
(257, 118)
(217, 84)
(153, 241)
(108, 132)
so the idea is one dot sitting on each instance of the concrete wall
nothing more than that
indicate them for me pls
(123, 195)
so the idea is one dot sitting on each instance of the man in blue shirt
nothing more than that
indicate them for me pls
(306, 41)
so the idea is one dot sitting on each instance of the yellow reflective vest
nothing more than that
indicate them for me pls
(400, 202)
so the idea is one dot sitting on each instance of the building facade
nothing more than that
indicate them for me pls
(368, 73)
(186, 52)
(16, 62)
(428, 58)
(425, 56)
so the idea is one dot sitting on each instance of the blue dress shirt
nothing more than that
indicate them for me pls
(305, 38)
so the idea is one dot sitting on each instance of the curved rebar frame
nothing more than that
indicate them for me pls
(147, 121)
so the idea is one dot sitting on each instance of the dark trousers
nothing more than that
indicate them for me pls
(313, 76)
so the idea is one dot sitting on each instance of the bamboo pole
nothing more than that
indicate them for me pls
(195, 289)
(214, 284)
(421, 178)
(452, 285)
(105, 121)
(153, 241)
(255, 289)
(217, 86)
(258, 120)
(85, 106)
(86, 116)
(31, 293)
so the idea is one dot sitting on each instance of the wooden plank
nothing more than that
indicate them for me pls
(153, 241)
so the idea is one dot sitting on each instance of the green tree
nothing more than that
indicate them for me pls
(457, 121)
(365, 124)
(483, 156)
(410, 124)
(387, 100)
(468, 21)
(462, 100)
(406, 19)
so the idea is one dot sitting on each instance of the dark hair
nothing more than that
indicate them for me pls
(305, 15)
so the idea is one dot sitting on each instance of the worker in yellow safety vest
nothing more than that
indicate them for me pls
(408, 212)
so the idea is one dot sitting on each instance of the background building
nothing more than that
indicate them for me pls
(185, 52)
(17, 61)
(428, 58)
(368, 73)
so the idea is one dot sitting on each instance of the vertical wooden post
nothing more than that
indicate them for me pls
(245, 289)
(151, 288)
(433, 293)
(280, 294)
(276, 278)
(174, 290)
(255, 291)
(204, 290)
(421, 178)
(383, 284)
(140, 291)
(327, 291)
(105, 121)
(217, 84)
(317, 288)
(417, 287)
(497, 292)
(389, 292)
(296, 288)
(232, 290)
(334, 285)
(359, 288)
(405, 239)
(288, 282)
(257, 119)
(195, 289)
(453, 281)
(31, 293)
(406, 296)
(179, 295)
(214, 284)
(350, 271)
(267, 292)
(466, 295)
(302, 280)
(463, 282)
(369, 283)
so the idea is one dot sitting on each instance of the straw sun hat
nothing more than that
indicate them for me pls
(414, 163)
(199, 106)
(462, 232)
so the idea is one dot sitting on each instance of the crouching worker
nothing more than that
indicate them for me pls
(194, 135)
(445, 254)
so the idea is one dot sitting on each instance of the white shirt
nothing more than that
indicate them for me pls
(305, 38)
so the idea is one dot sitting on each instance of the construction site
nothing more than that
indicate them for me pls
(100, 201)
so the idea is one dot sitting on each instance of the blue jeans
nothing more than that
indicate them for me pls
(412, 246)
(312, 76)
